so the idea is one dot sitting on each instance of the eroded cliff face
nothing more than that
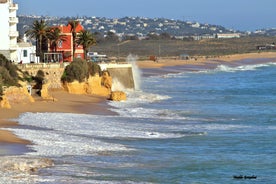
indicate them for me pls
(44, 92)
(15, 95)
(95, 85)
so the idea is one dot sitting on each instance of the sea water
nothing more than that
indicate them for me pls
(204, 126)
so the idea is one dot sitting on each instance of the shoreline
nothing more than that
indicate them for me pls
(65, 103)
(91, 104)
(205, 61)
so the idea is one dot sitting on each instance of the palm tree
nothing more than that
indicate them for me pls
(86, 39)
(74, 24)
(55, 36)
(39, 33)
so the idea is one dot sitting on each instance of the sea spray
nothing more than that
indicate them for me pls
(131, 59)
(117, 85)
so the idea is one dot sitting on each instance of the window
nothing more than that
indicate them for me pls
(59, 44)
(25, 53)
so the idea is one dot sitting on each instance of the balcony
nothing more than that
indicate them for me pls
(13, 7)
(13, 20)
(13, 46)
(14, 34)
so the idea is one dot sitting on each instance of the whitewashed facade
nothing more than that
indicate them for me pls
(9, 33)
(26, 53)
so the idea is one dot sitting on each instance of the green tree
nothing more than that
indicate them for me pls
(74, 24)
(39, 32)
(86, 39)
(55, 36)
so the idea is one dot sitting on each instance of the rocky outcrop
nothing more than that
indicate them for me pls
(95, 85)
(44, 92)
(15, 95)
(4, 103)
(106, 80)
(118, 96)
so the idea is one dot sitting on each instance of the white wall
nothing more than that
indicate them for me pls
(4, 22)
(26, 54)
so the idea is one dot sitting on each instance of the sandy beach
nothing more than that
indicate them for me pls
(87, 104)
(65, 103)
(200, 60)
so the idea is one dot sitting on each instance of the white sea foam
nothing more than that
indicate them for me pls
(144, 97)
(71, 134)
(117, 85)
(176, 75)
(225, 68)
(132, 59)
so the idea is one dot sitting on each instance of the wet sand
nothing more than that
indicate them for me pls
(66, 103)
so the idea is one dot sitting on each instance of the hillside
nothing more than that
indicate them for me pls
(171, 48)
(130, 25)
(141, 27)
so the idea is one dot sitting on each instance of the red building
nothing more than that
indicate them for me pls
(65, 46)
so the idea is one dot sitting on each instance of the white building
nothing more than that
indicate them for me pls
(228, 35)
(26, 53)
(9, 33)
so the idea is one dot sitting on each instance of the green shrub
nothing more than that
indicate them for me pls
(94, 68)
(79, 70)
(7, 79)
(8, 73)
(12, 69)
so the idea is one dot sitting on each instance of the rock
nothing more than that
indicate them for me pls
(95, 85)
(118, 96)
(75, 87)
(106, 80)
(44, 92)
(15, 95)
(4, 103)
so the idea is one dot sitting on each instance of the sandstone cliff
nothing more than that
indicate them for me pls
(95, 85)
(15, 95)
(44, 92)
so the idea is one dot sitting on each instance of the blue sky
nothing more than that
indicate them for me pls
(236, 14)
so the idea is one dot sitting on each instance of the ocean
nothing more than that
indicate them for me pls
(198, 126)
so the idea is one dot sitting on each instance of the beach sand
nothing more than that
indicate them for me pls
(204, 61)
(88, 104)
(65, 103)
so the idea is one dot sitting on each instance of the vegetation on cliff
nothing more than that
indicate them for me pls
(8, 73)
(80, 70)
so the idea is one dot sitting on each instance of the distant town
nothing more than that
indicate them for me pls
(141, 27)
